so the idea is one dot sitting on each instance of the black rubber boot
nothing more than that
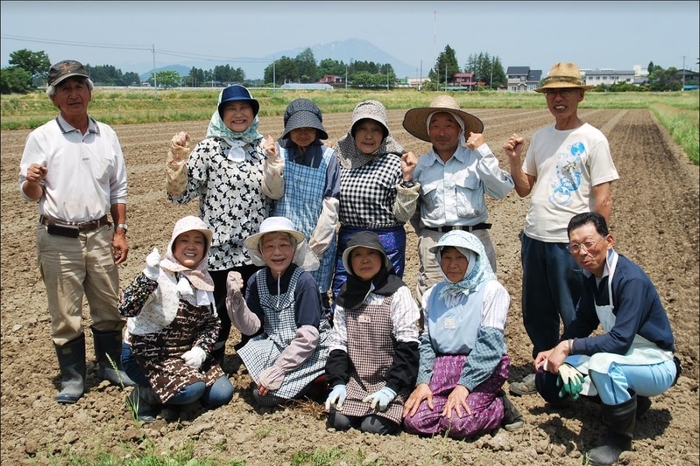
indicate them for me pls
(144, 401)
(643, 405)
(71, 360)
(512, 419)
(620, 421)
(110, 344)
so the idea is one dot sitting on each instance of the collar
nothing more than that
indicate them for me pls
(460, 154)
(611, 255)
(66, 127)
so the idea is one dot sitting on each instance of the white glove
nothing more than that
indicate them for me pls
(336, 397)
(194, 357)
(152, 269)
(381, 397)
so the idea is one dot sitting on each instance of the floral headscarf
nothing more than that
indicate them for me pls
(478, 271)
(218, 129)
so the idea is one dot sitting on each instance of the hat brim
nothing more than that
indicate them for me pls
(304, 119)
(253, 241)
(415, 121)
(562, 85)
(254, 103)
(348, 251)
(69, 75)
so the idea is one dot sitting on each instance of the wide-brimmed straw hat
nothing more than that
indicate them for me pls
(563, 75)
(415, 119)
(303, 113)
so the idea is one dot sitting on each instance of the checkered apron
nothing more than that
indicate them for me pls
(371, 351)
(302, 203)
(280, 329)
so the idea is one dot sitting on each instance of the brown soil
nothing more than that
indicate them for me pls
(655, 222)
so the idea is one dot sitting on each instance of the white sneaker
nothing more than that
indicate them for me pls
(526, 387)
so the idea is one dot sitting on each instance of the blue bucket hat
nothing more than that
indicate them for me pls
(238, 92)
(303, 113)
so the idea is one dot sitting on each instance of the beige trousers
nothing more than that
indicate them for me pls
(73, 267)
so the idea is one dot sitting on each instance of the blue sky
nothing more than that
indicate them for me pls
(594, 35)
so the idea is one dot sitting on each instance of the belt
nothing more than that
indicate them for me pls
(83, 227)
(445, 229)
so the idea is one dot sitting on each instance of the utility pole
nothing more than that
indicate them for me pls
(387, 76)
(155, 84)
(683, 88)
(274, 78)
(346, 76)
(434, 35)
(420, 79)
(445, 76)
(491, 79)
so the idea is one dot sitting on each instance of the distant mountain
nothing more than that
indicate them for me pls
(182, 70)
(254, 68)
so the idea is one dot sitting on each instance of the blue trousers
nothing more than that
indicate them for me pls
(218, 394)
(552, 285)
(615, 385)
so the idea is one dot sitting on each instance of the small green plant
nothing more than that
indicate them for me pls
(132, 405)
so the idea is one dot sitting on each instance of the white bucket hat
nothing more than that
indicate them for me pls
(304, 257)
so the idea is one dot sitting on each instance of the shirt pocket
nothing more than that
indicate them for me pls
(103, 168)
(430, 199)
(470, 195)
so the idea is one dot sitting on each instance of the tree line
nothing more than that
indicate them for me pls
(28, 70)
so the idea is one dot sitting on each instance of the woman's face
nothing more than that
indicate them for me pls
(189, 248)
(277, 250)
(302, 137)
(453, 263)
(237, 115)
(368, 136)
(365, 262)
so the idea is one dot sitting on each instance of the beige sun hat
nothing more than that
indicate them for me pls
(563, 75)
(415, 119)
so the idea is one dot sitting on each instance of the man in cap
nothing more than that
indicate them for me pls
(74, 167)
(568, 169)
(454, 180)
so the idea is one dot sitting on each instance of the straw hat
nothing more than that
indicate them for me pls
(415, 120)
(563, 75)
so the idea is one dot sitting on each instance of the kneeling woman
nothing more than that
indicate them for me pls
(374, 343)
(283, 300)
(172, 327)
(463, 360)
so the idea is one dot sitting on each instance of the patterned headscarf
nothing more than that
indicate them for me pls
(218, 129)
(198, 277)
(478, 271)
(349, 155)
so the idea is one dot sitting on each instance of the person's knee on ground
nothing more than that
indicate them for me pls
(339, 421)
(373, 424)
(189, 394)
(267, 400)
(218, 394)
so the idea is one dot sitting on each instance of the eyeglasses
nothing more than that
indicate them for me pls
(585, 246)
(564, 93)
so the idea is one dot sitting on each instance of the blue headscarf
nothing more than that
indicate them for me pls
(478, 271)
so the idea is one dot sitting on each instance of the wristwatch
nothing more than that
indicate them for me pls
(408, 184)
(123, 226)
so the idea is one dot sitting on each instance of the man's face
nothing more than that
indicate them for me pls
(444, 132)
(589, 249)
(72, 97)
(563, 103)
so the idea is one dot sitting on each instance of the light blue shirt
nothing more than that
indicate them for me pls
(453, 193)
